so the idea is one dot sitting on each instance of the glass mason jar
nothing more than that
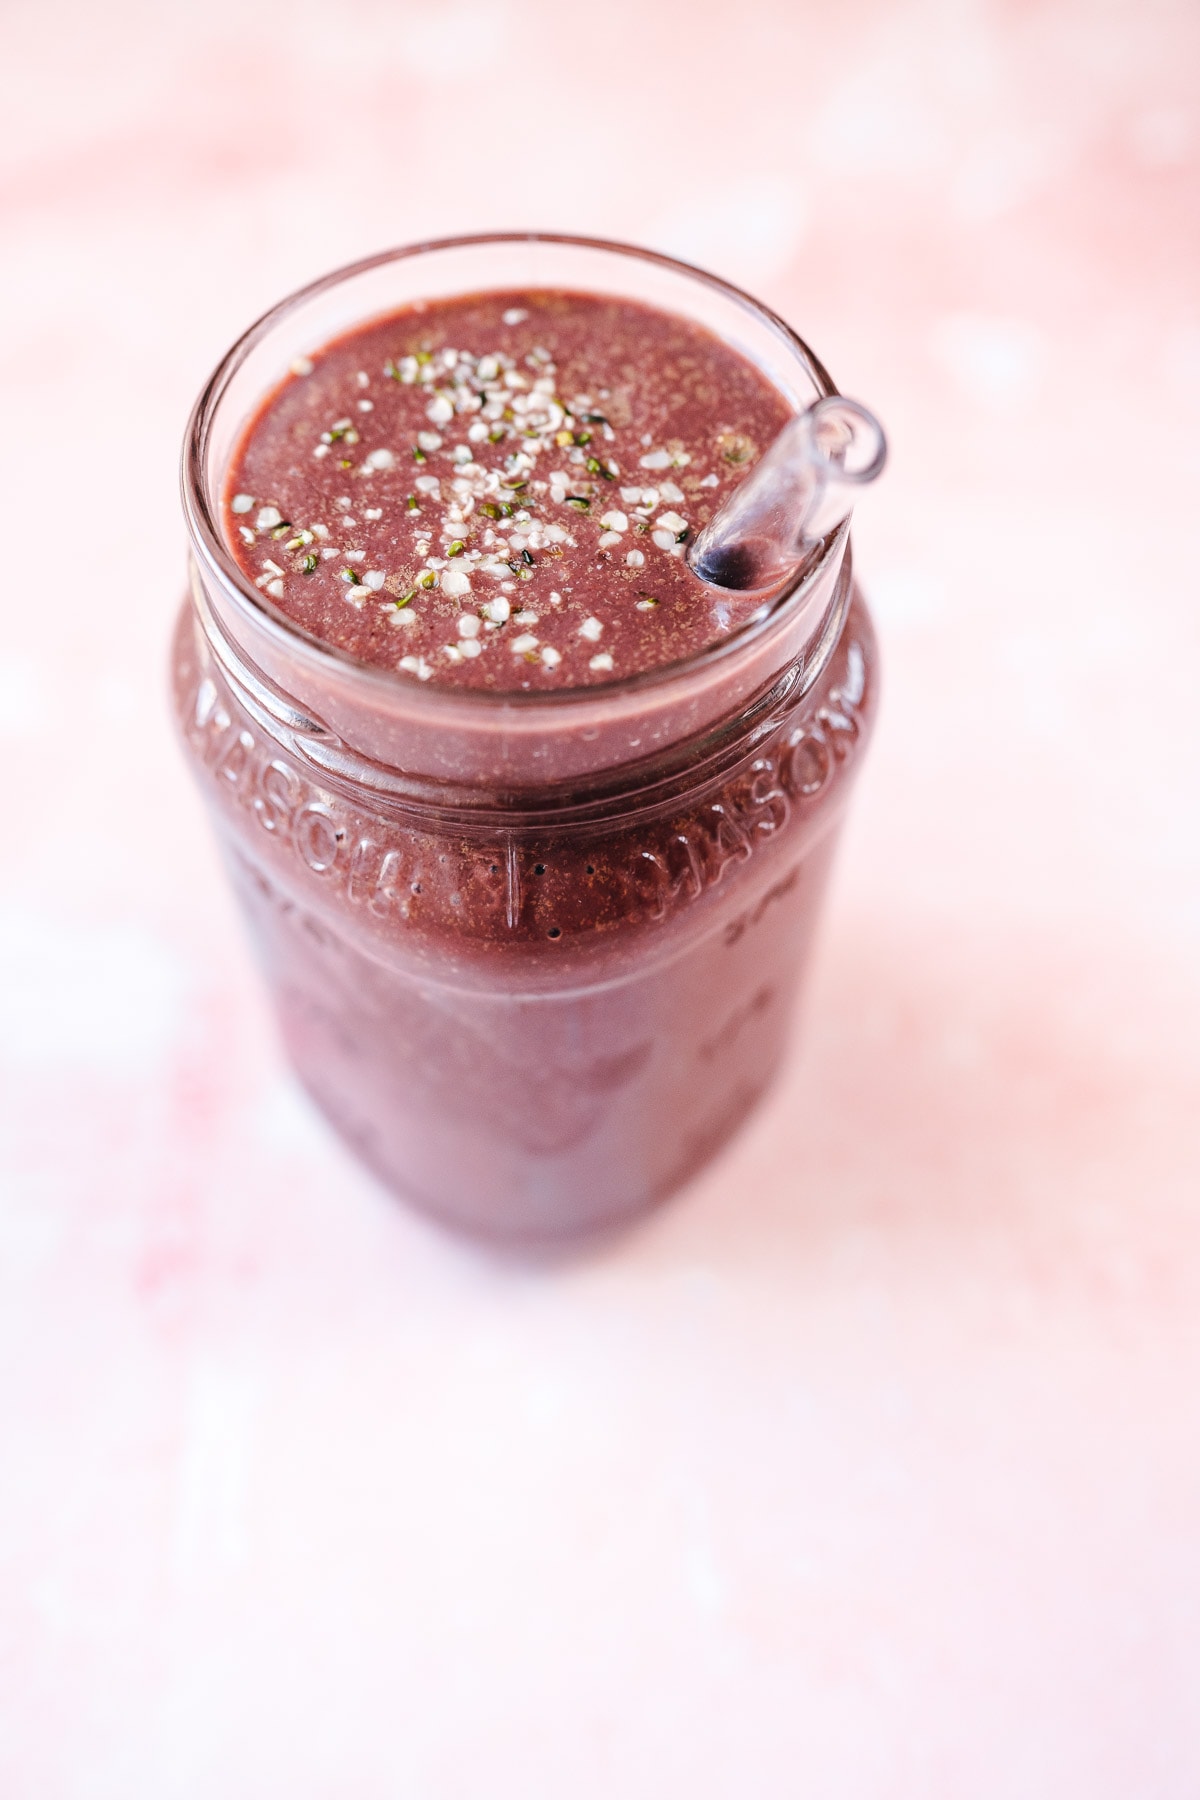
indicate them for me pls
(534, 954)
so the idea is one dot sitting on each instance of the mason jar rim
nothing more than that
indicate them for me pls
(209, 542)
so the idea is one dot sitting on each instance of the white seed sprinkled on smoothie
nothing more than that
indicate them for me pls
(539, 454)
(275, 589)
(302, 365)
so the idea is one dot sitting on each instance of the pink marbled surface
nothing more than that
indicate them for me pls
(870, 1470)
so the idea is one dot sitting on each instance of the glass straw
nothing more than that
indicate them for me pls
(804, 485)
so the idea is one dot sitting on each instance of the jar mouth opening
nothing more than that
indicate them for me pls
(209, 543)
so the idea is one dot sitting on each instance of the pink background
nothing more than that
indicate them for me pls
(871, 1468)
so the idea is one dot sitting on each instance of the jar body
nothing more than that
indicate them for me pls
(539, 1023)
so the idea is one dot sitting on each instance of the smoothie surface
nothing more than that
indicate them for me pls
(497, 490)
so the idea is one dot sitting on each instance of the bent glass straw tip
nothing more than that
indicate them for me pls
(804, 485)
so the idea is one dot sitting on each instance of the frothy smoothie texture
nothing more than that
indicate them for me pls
(497, 491)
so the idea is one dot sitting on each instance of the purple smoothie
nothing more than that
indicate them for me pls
(498, 491)
(535, 958)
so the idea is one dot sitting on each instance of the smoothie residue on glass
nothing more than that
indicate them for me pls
(498, 491)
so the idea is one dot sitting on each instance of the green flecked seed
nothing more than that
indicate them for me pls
(309, 564)
(456, 548)
(419, 455)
